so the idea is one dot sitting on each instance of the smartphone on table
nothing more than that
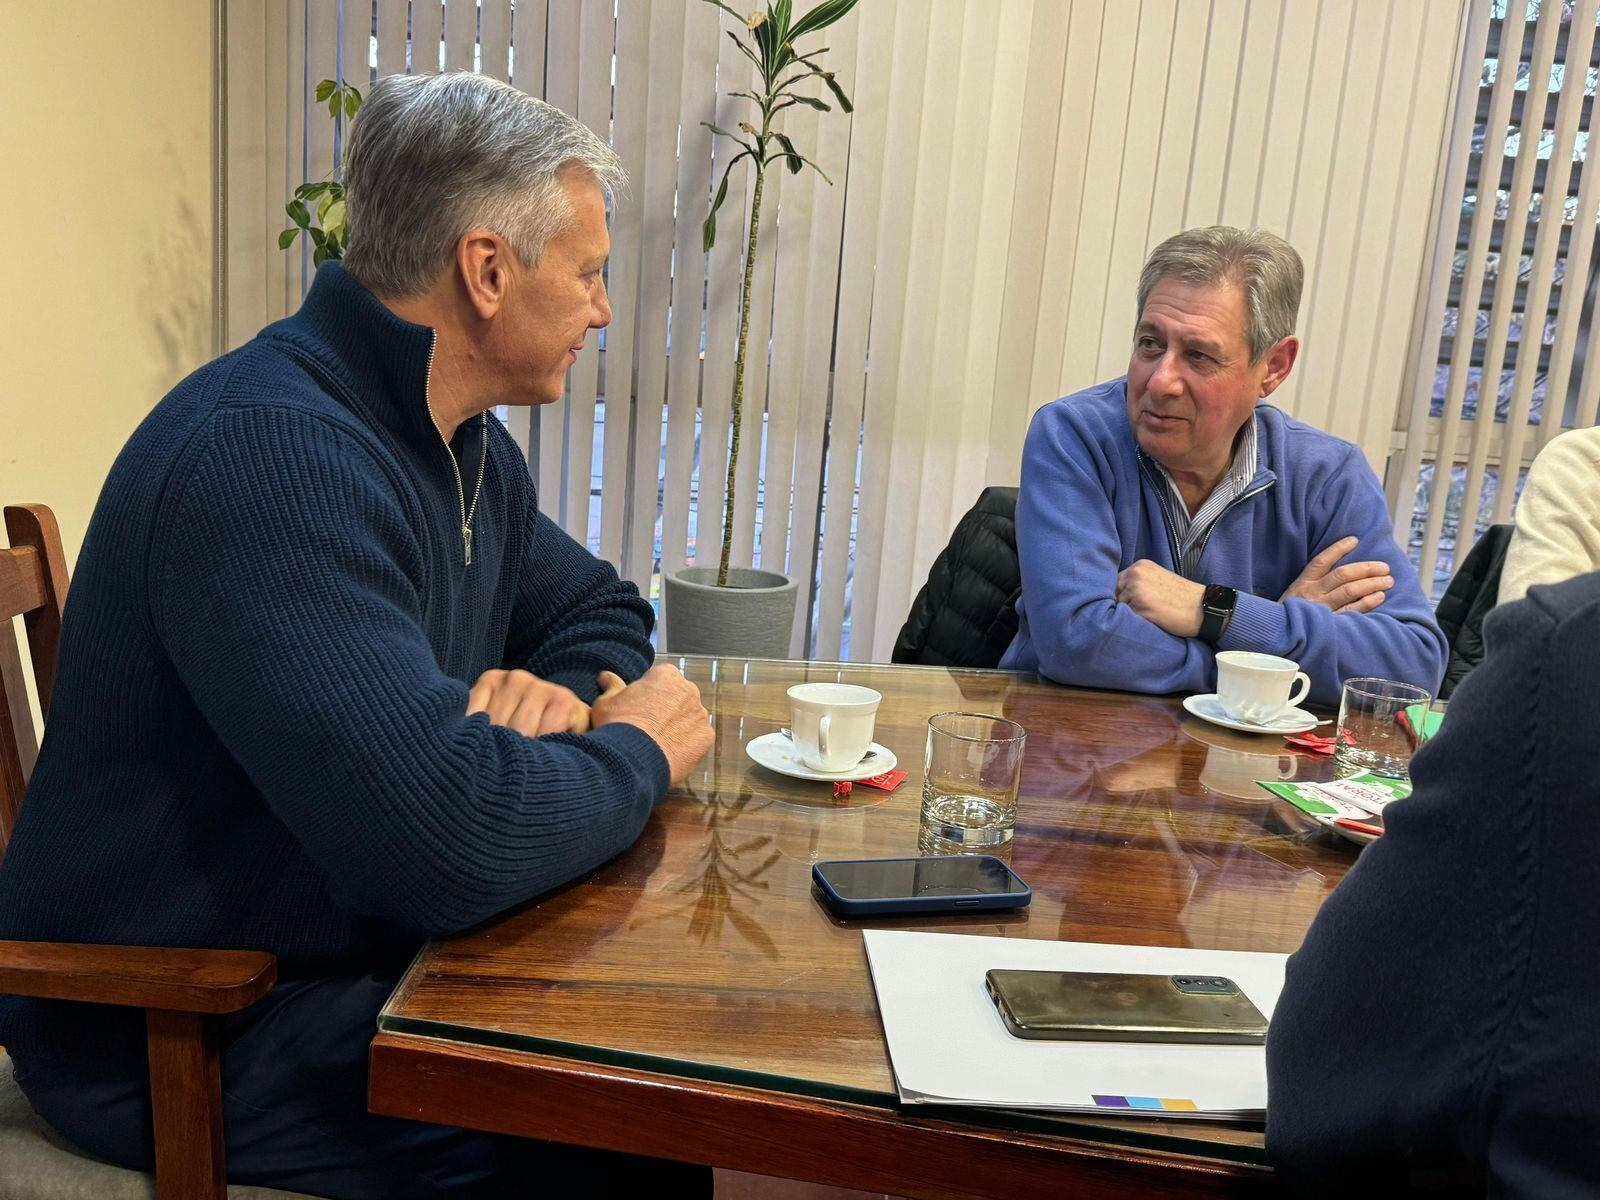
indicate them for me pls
(1112, 1007)
(871, 887)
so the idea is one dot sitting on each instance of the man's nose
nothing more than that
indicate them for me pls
(600, 317)
(1166, 380)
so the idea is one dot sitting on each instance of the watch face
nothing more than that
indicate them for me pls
(1218, 596)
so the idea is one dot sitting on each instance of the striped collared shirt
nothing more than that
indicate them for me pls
(1190, 530)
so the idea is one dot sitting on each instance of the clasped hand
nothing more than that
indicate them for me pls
(662, 703)
(1170, 601)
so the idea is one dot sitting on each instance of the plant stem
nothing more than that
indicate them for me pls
(738, 373)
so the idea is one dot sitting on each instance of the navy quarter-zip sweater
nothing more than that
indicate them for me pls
(259, 737)
(1091, 506)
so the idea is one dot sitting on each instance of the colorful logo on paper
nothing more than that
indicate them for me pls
(1151, 1103)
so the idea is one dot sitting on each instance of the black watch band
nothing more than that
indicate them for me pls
(1216, 610)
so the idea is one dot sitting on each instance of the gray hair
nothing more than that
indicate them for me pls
(431, 156)
(1262, 265)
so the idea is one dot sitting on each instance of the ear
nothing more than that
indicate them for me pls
(483, 261)
(1280, 361)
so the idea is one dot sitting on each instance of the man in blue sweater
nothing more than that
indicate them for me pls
(1170, 514)
(1436, 1029)
(329, 682)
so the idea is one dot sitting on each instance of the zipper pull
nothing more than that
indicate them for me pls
(466, 543)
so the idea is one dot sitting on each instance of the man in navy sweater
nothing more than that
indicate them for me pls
(1170, 514)
(329, 682)
(1436, 1029)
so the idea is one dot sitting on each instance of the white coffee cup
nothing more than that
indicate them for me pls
(832, 723)
(1257, 687)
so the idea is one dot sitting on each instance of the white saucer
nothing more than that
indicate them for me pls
(1207, 707)
(777, 753)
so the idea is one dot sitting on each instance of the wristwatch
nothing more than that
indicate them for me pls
(1216, 610)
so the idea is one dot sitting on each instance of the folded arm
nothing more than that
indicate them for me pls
(286, 594)
(1071, 553)
(1398, 640)
(573, 617)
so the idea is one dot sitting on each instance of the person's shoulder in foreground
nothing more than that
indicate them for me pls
(1437, 1026)
(1557, 531)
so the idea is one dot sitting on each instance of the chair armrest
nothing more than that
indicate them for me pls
(178, 980)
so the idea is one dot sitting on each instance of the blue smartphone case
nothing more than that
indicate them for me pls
(845, 906)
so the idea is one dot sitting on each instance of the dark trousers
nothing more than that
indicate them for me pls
(294, 1092)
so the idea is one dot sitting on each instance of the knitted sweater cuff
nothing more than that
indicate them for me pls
(640, 750)
(1257, 624)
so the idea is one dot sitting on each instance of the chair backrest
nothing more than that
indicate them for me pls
(966, 615)
(33, 586)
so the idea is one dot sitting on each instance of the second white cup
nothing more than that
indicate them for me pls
(832, 723)
(1258, 687)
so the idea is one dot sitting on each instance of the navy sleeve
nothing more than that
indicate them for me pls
(1437, 1023)
(572, 616)
(284, 578)
(1398, 640)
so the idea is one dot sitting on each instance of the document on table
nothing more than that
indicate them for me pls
(948, 1045)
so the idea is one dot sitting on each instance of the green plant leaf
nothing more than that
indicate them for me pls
(352, 103)
(791, 155)
(287, 237)
(333, 106)
(708, 228)
(820, 17)
(768, 46)
(298, 214)
(796, 169)
(838, 92)
(333, 217)
(326, 88)
(310, 191)
(318, 237)
(782, 13)
(811, 102)
(745, 50)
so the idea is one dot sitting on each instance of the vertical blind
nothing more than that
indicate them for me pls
(1503, 364)
(1008, 166)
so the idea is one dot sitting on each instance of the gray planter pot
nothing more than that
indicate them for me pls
(750, 618)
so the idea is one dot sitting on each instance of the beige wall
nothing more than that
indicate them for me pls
(105, 139)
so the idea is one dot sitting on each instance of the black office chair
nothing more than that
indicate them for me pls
(1467, 601)
(966, 614)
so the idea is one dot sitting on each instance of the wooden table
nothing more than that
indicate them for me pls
(691, 1000)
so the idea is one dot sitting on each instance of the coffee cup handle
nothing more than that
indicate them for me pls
(1304, 681)
(822, 738)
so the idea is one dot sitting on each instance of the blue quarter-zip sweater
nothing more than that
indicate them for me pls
(1091, 504)
(259, 735)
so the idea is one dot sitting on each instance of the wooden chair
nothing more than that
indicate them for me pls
(182, 991)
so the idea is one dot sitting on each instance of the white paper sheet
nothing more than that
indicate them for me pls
(948, 1045)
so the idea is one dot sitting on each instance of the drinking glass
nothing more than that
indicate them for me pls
(970, 777)
(1380, 726)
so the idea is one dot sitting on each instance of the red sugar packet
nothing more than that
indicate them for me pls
(1311, 742)
(888, 781)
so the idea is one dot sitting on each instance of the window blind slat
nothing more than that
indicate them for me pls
(1213, 130)
(597, 37)
(922, 297)
(1482, 219)
(868, 128)
(495, 39)
(1500, 313)
(460, 35)
(698, 104)
(393, 16)
(900, 168)
(355, 43)
(622, 276)
(654, 191)
(427, 36)
(529, 20)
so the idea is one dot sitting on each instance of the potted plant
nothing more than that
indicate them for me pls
(744, 610)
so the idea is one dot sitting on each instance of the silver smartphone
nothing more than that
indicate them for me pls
(1108, 1007)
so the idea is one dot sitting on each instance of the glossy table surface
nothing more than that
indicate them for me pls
(702, 953)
